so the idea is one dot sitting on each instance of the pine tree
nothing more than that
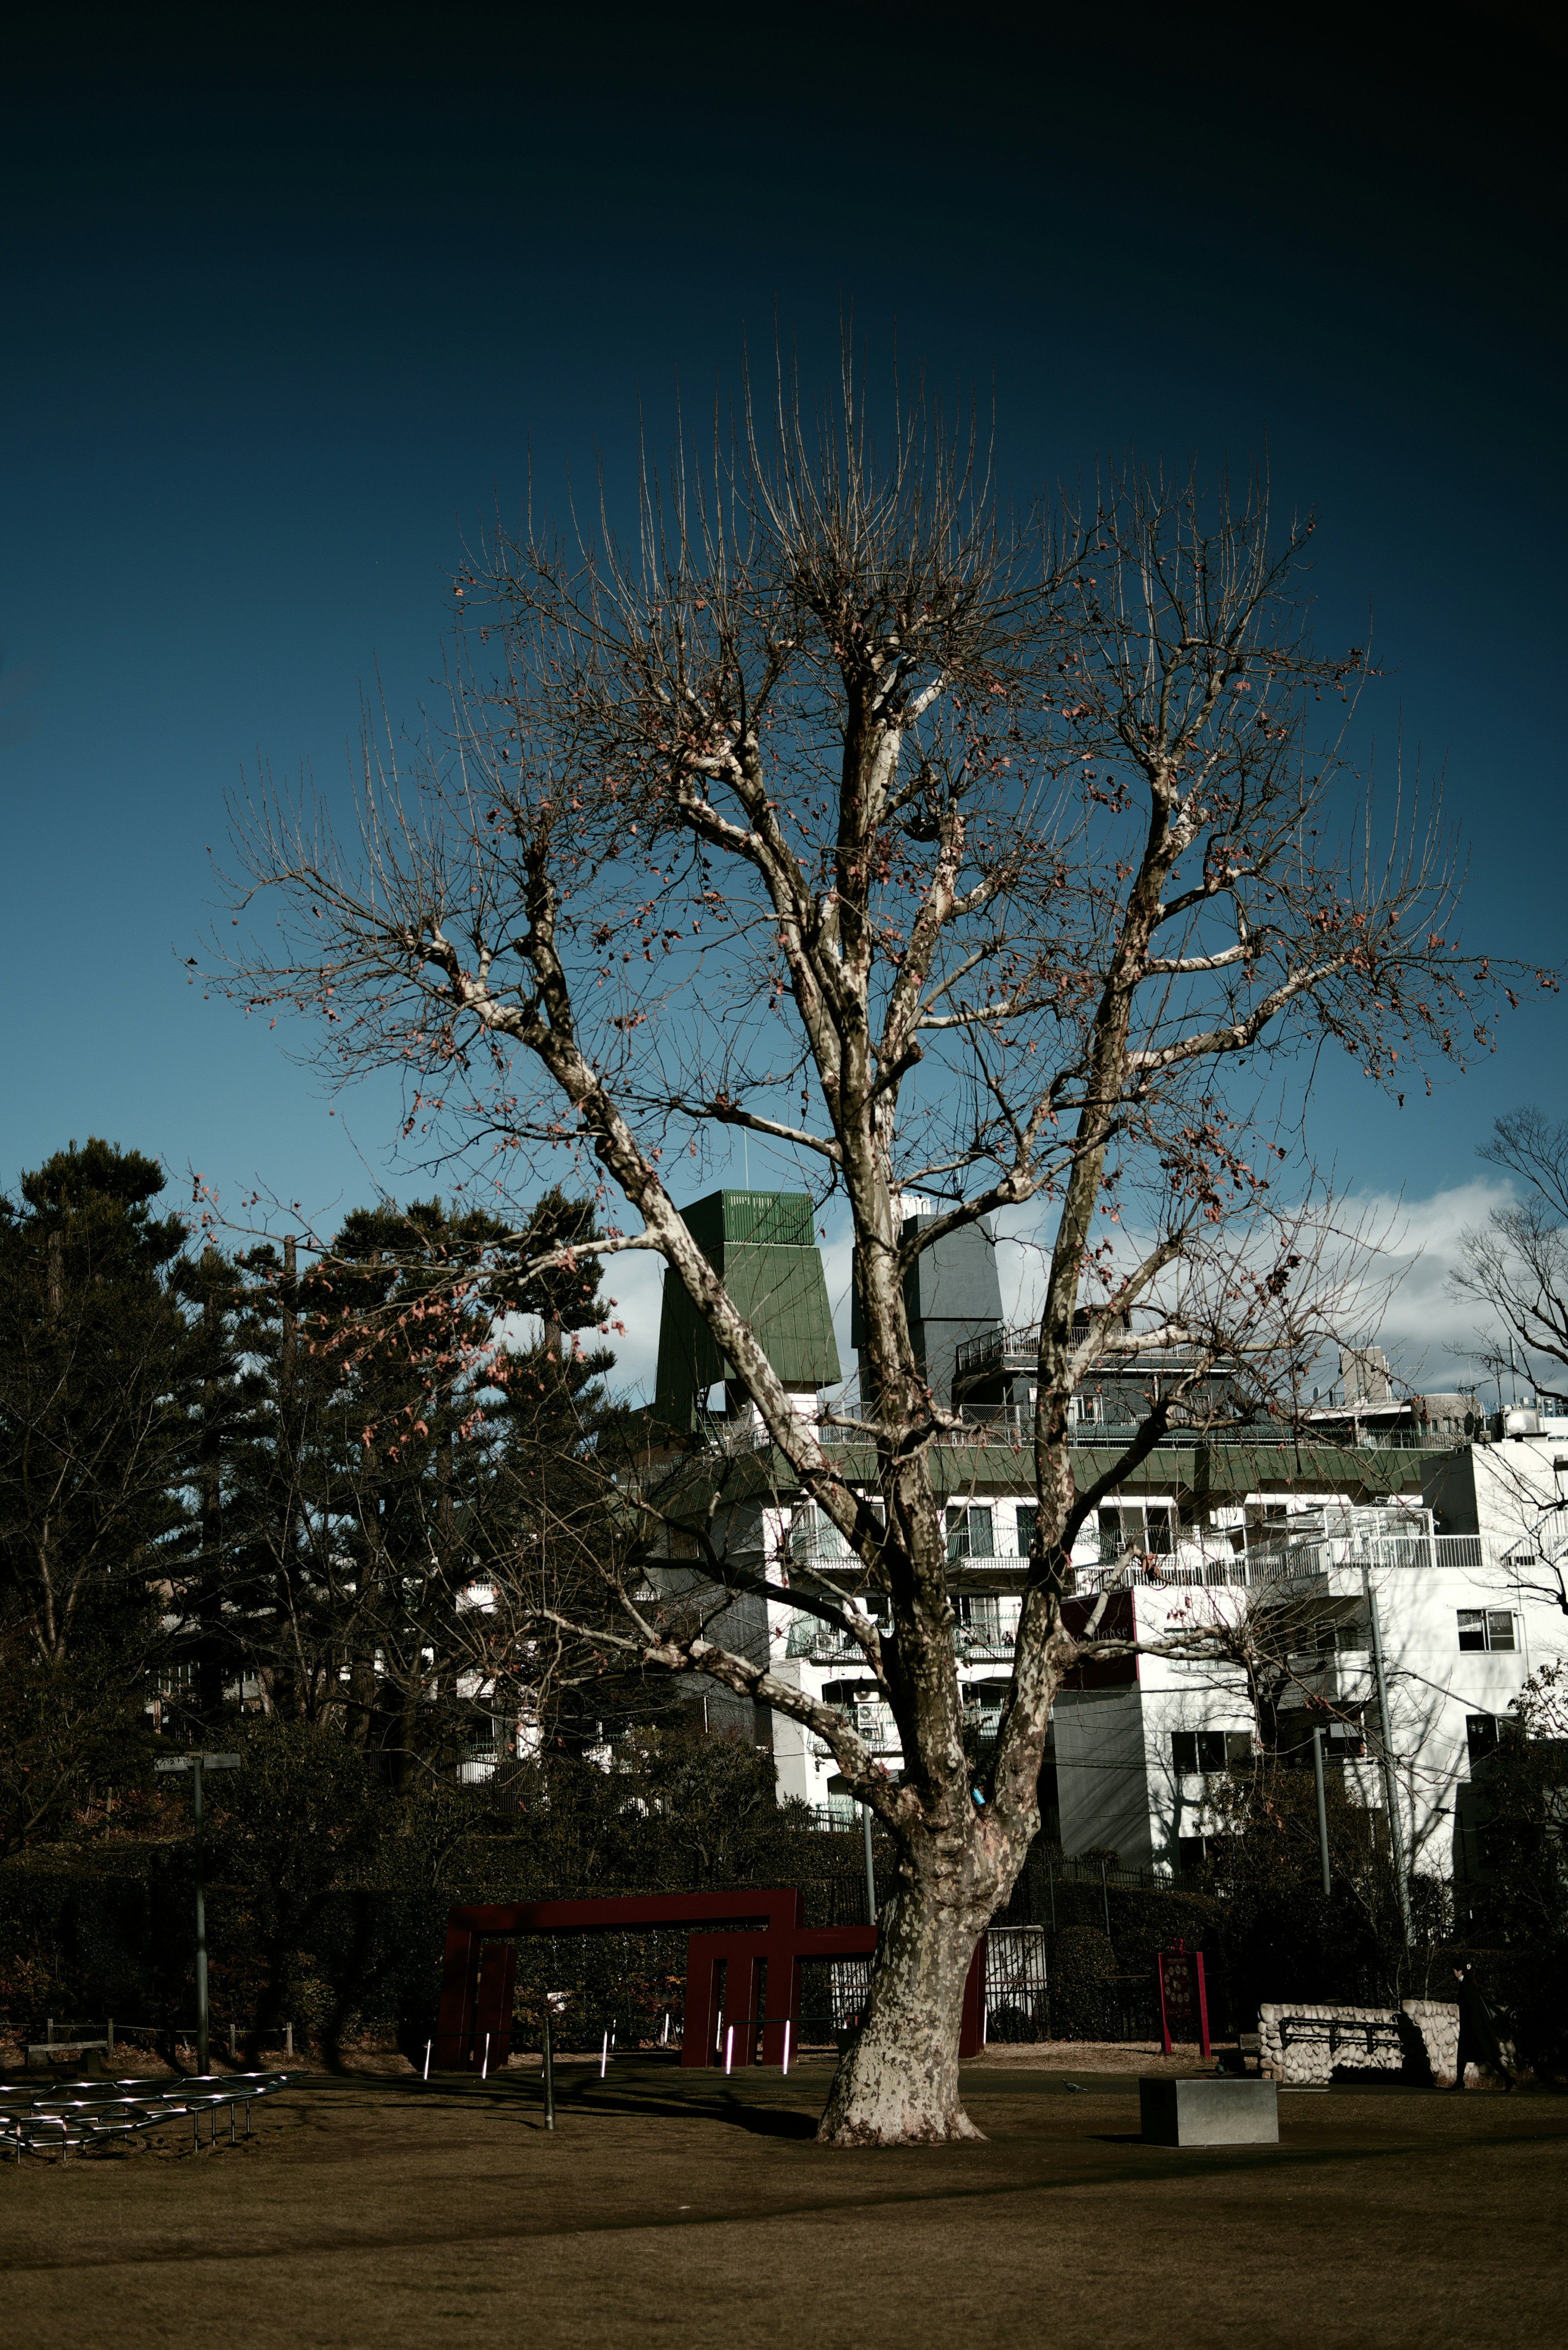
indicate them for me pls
(92, 1347)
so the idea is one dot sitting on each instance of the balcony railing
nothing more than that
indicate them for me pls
(1015, 1347)
(987, 1633)
(1196, 1565)
(1289, 1561)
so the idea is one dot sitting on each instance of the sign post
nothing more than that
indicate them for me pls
(1179, 1977)
(196, 1764)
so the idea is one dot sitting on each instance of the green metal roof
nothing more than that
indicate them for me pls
(763, 1247)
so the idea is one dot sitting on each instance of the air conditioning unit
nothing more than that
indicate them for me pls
(1518, 1419)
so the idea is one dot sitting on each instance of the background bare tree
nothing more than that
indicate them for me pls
(993, 857)
(1515, 1265)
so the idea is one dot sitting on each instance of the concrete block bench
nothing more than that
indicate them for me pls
(1207, 2112)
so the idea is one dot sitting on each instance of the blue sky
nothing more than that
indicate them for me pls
(288, 306)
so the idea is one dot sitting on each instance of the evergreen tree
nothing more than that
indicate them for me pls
(92, 1357)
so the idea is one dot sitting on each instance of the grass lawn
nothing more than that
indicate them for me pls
(685, 2208)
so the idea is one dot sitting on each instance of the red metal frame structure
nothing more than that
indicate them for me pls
(475, 2022)
(1178, 1973)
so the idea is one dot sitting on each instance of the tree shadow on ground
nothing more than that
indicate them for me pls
(604, 2097)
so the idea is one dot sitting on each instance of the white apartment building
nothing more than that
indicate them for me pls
(1457, 1539)
(1468, 1589)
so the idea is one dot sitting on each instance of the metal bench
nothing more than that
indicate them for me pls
(1347, 2039)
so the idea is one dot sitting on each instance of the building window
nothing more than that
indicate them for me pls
(1486, 1629)
(1135, 1526)
(970, 1534)
(1481, 1736)
(1197, 1750)
(1028, 1518)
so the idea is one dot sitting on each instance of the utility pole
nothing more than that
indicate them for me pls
(1385, 1739)
(1321, 1809)
(870, 1871)
(195, 1764)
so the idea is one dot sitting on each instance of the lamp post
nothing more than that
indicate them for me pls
(196, 1764)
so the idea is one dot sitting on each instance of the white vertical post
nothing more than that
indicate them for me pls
(664, 2035)
(729, 2048)
(787, 2021)
(428, 2045)
(1390, 1776)
(870, 1865)
(484, 2068)
(604, 2056)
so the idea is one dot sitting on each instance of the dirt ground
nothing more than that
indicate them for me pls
(682, 2208)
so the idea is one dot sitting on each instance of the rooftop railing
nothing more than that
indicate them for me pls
(1011, 1426)
(1016, 1346)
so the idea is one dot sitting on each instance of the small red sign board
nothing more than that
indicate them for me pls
(1178, 1973)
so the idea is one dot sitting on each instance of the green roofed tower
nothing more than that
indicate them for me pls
(763, 1247)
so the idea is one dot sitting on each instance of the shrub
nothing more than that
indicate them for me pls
(1083, 1984)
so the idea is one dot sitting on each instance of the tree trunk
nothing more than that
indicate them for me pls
(899, 2085)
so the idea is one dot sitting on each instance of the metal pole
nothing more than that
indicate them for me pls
(1322, 1808)
(1104, 1896)
(202, 2066)
(549, 2072)
(1390, 1783)
(870, 1870)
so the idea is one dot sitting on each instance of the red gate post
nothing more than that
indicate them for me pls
(1202, 2002)
(741, 1955)
(972, 2023)
(452, 2046)
(492, 2000)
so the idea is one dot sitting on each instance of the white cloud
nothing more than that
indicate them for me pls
(1430, 1337)
(636, 1283)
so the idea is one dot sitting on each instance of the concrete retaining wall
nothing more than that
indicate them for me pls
(1302, 2045)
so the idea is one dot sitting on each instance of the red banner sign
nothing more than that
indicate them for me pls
(1179, 1977)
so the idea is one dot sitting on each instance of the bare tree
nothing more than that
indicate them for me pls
(946, 849)
(1515, 1266)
